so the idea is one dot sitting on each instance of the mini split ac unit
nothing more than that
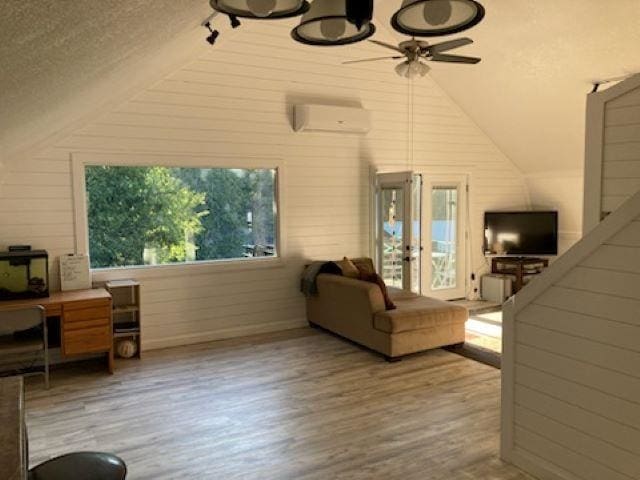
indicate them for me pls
(327, 118)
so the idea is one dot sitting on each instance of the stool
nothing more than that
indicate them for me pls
(81, 466)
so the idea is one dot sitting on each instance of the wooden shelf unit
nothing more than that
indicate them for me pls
(520, 268)
(126, 311)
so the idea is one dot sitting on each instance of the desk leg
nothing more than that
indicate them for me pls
(110, 360)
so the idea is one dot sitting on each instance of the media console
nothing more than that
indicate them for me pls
(519, 267)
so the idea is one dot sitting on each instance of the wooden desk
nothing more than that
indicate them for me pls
(13, 454)
(85, 320)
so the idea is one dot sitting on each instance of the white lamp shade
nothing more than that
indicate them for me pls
(326, 24)
(268, 9)
(427, 18)
(411, 69)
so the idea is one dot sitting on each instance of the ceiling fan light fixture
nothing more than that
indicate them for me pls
(402, 68)
(326, 24)
(412, 68)
(431, 18)
(261, 9)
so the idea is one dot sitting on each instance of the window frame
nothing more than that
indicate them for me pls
(80, 160)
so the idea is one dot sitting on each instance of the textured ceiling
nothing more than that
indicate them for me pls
(528, 93)
(53, 50)
(538, 58)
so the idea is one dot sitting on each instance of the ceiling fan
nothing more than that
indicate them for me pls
(416, 52)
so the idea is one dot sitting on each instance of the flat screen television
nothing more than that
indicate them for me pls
(527, 233)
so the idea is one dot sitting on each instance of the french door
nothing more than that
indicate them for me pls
(398, 225)
(444, 269)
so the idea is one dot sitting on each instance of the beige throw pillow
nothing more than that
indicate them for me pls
(348, 268)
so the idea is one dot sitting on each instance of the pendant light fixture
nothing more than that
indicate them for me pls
(359, 12)
(267, 9)
(432, 18)
(326, 24)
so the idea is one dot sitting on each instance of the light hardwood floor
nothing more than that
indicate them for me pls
(295, 405)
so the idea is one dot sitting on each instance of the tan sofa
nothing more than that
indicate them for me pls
(355, 309)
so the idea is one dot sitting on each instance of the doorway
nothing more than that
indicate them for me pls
(398, 225)
(445, 218)
(420, 237)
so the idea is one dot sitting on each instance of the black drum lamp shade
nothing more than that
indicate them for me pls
(261, 9)
(326, 24)
(432, 18)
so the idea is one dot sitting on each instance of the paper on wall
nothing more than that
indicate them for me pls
(74, 272)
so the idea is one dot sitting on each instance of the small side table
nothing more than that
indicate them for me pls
(519, 267)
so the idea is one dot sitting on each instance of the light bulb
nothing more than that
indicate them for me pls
(402, 68)
(437, 12)
(333, 28)
(261, 8)
(414, 68)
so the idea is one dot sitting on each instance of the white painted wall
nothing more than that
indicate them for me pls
(571, 388)
(612, 165)
(236, 100)
(561, 191)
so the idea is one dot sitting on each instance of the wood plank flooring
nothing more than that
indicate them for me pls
(300, 404)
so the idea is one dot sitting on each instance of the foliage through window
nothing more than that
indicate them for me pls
(161, 215)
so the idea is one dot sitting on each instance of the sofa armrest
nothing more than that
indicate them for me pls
(351, 294)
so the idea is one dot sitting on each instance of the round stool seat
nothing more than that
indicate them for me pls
(81, 466)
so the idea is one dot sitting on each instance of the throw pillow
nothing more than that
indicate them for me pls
(348, 268)
(364, 265)
(377, 279)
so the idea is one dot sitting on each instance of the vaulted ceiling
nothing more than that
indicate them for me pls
(528, 94)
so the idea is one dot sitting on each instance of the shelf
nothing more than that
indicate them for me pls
(121, 283)
(126, 309)
(126, 334)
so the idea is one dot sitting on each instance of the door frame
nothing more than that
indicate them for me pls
(461, 182)
(402, 180)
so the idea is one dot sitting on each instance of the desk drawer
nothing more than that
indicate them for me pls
(87, 340)
(83, 324)
(84, 314)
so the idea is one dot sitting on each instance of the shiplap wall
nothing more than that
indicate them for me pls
(573, 403)
(236, 100)
(621, 157)
(612, 166)
(561, 191)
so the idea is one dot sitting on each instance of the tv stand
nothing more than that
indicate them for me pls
(519, 267)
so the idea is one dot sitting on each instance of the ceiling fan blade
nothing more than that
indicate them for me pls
(449, 45)
(453, 58)
(386, 45)
(372, 59)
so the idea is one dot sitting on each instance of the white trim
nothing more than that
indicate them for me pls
(204, 337)
(507, 369)
(539, 467)
(594, 144)
(82, 159)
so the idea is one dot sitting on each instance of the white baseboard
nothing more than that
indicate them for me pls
(537, 467)
(221, 334)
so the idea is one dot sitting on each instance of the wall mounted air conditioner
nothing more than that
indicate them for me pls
(328, 118)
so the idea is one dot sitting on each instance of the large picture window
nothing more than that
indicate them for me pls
(155, 215)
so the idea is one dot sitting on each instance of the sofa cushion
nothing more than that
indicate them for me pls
(415, 313)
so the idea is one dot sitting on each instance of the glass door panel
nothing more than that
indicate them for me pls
(398, 229)
(392, 236)
(445, 216)
(444, 234)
